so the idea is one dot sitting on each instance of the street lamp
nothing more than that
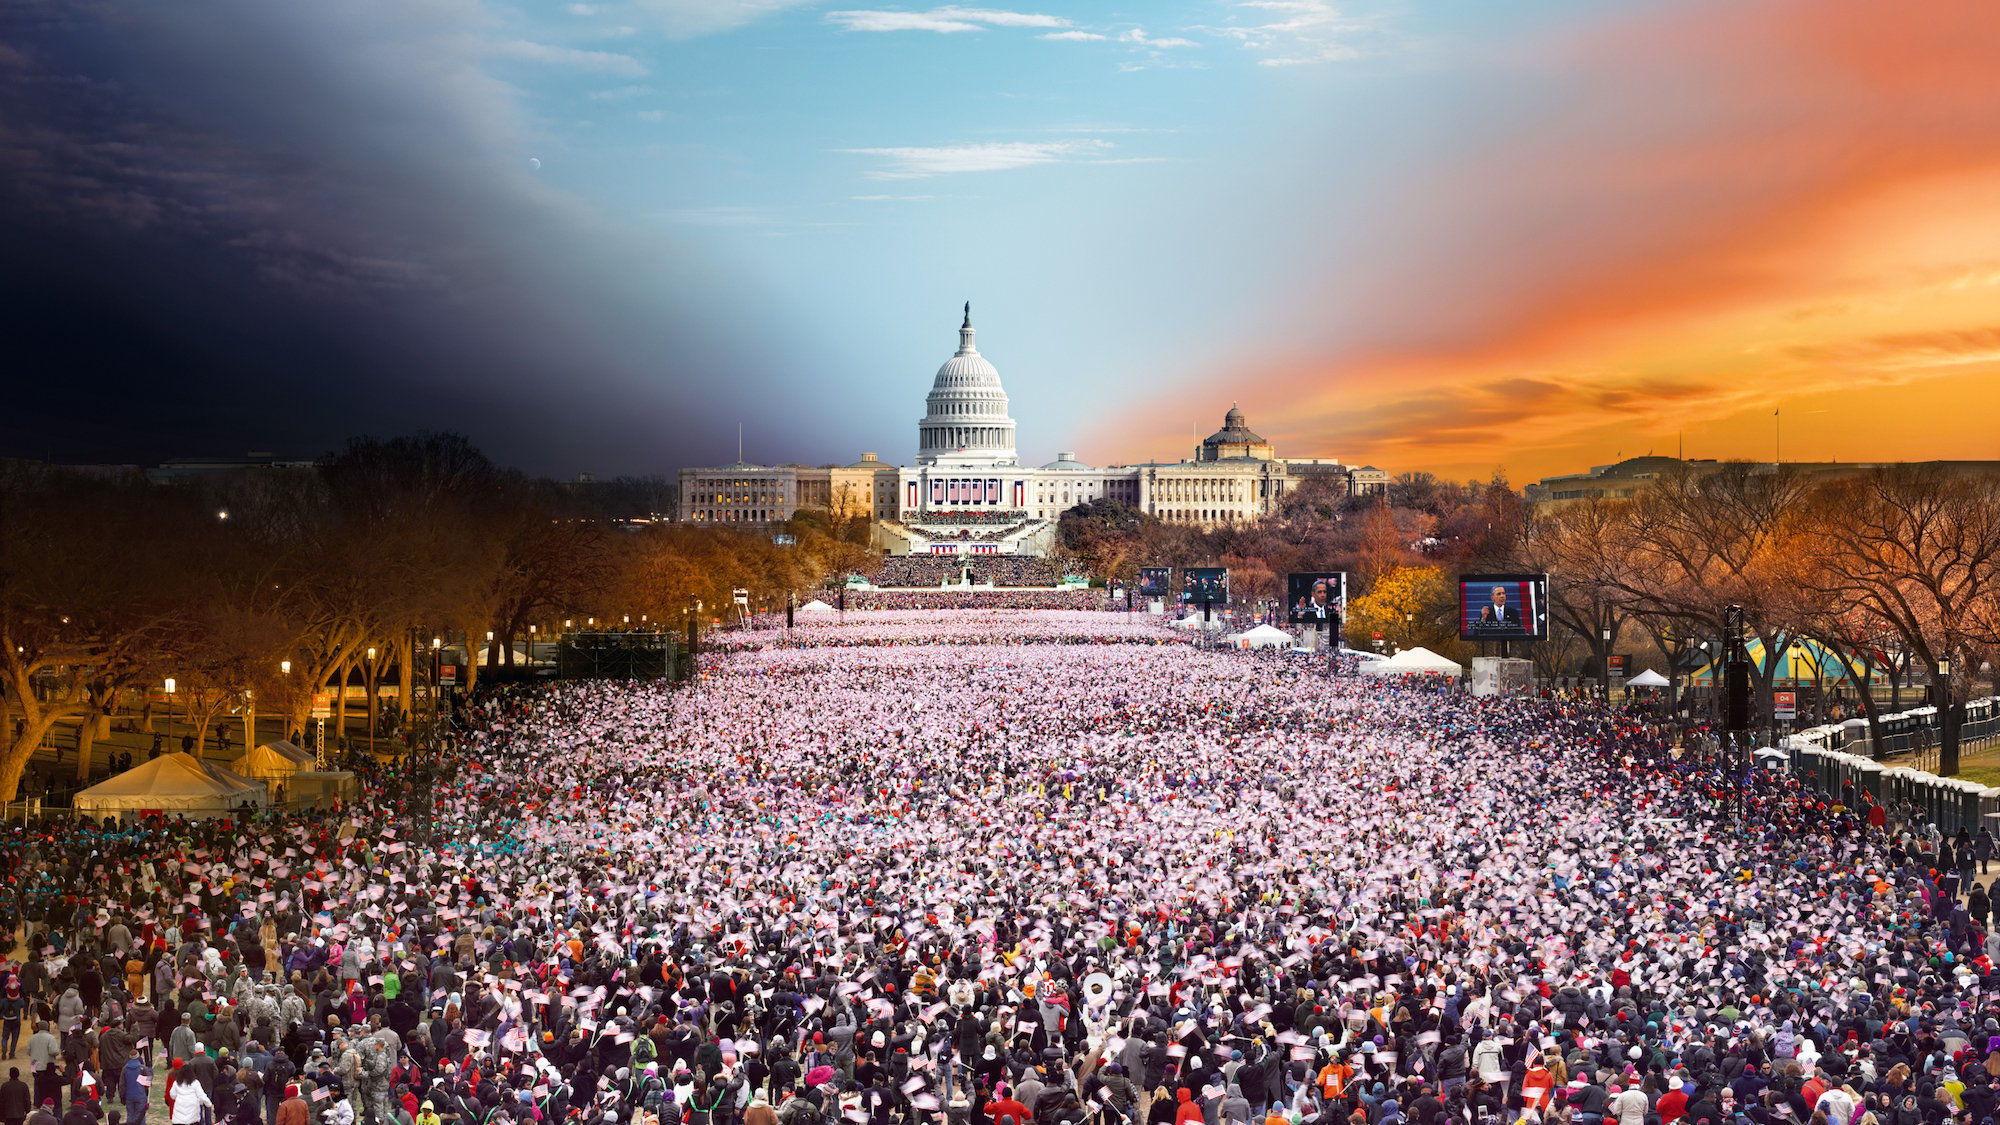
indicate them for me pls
(371, 699)
(170, 709)
(1606, 634)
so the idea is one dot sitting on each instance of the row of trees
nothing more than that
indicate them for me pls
(110, 583)
(255, 590)
(1887, 571)
(1891, 571)
(1456, 526)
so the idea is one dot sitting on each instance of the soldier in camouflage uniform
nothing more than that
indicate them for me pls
(377, 1059)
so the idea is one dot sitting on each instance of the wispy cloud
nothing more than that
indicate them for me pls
(619, 93)
(946, 20)
(914, 163)
(603, 62)
(1138, 35)
(1296, 32)
(1073, 36)
(891, 198)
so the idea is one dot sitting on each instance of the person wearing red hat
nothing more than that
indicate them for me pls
(1003, 1107)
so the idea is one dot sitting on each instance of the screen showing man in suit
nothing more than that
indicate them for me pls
(1205, 585)
(1315, 598)
(1155, 581)
(1501, 607)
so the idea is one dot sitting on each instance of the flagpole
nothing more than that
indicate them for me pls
(1777, 438)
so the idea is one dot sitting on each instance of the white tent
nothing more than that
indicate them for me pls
(1647, 678)
(273, 761)
(172, 783)
(816, 606)
(1263, 636)
(1413, 662)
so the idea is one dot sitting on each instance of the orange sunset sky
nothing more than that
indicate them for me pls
(1693, 217)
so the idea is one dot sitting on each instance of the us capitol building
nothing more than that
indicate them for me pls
(968, 493)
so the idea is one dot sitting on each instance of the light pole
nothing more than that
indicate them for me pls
(437, 673)
(532, 630)
(1705, 662)
(1409, 628)
(371, 699)
(170, 713)
(1605, 633)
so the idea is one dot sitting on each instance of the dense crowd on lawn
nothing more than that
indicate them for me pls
(1008, 881)
(977, 599)
(870, 628)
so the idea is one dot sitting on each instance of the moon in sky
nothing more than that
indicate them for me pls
(535, 162)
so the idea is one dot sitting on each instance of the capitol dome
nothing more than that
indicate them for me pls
(965, 418)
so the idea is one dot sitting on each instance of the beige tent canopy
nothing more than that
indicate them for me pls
(273, 761)
(1413, 662)
(1263, 636)
(174, 784)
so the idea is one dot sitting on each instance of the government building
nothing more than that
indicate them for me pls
(968, 493)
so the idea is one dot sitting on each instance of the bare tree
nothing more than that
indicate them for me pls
(1588, 549)
(1704, 540)
(1918, 551)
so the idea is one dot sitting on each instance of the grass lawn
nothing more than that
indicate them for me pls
(1983, 774)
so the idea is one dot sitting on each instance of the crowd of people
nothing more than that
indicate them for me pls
(928, 627)
(1011, 882)
(1009, 598)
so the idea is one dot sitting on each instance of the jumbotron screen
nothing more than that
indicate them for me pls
(1205, 585)
(1315, 597)
(1503, 607)
(1156, 581)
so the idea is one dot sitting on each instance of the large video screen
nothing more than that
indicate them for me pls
(1156, 581)
(1205, 585)
(1315, 597)
(1503, 607)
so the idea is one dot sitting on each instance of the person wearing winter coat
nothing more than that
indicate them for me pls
(134, 1089)
(82, 1111)
(1235, 1108)
(1117, 1088)
(293, 1110)
(1486, 1062)
(191, 1103)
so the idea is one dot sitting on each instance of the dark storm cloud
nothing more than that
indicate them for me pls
(234, 224)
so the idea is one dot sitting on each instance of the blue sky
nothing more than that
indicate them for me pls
(1120, 190)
